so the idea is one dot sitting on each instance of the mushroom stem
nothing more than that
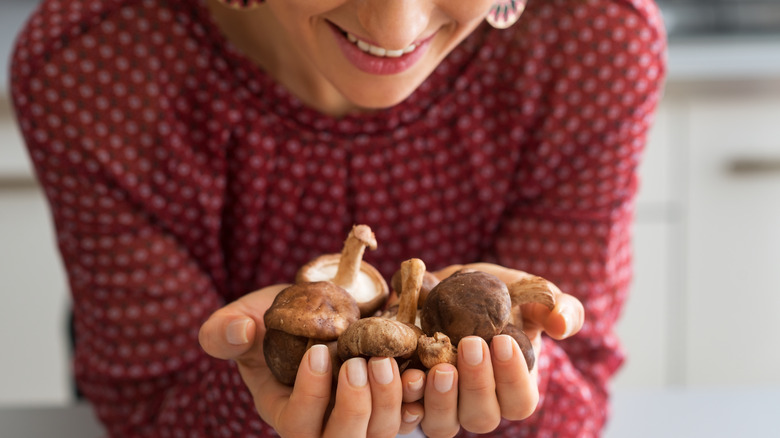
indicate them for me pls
(412, 273)
(358, 239)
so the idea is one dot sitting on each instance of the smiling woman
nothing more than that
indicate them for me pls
(333, 54)
(195, 155)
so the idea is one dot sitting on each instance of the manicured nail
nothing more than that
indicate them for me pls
(236, 332)
(416, 385)
(442, 380)
(409, 417)
(357, 373)
(472, 350)
(382, 371)
(502, 348)
(319, 356)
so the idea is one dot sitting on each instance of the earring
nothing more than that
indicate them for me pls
(505, 13)
(242, 4)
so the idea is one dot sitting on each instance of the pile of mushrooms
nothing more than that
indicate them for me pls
(339, 299)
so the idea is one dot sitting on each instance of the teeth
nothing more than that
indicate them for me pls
(379, 51)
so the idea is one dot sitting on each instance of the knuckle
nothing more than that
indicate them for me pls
(354, 410)
(477, 386)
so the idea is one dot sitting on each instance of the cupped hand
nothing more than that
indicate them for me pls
(371, 397)
(491, 383)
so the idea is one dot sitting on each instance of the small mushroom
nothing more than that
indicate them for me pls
(532, 289)
(467, 303)
(388, 337)
(301, 315)
(436, 349)
(350, 271)
(378, 337)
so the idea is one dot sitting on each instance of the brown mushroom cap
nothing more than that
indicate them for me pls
(283, 353)
(317, 310)
(378, 337)
(467, 303)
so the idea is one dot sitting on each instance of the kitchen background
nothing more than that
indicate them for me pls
(702, 321)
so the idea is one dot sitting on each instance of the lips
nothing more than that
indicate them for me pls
(378, 60)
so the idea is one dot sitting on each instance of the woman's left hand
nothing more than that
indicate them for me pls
(491, 383)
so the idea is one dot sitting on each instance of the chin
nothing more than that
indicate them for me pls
(376, 96)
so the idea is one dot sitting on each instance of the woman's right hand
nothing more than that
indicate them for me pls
(371, 398)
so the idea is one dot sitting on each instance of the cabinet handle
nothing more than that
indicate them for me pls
(753, 166)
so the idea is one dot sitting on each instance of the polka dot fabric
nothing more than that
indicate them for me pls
(180, 177)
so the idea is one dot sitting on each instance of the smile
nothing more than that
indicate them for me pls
(379, 51)
(378, 60)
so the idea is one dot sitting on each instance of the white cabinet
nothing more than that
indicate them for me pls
(705, 302)
(733, 240)
(33, 289)
(648, 323)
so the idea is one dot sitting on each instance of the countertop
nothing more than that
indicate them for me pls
(667, 413)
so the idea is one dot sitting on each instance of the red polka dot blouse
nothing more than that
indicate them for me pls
(180, 177)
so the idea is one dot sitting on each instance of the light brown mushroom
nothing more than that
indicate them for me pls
(394, 336)
(301, 315)
(436, 349)
(350, 271)
(429, 281)
(532, 289)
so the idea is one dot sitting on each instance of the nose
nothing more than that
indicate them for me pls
(394, 24)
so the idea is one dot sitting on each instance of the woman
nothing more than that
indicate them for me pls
(194, 152)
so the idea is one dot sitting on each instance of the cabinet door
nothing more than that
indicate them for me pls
(650, 318)
(732, 331)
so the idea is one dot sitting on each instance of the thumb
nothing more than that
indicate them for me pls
(563, 321)
(237, 329)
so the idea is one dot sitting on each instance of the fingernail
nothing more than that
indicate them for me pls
(382, 370)
(319, 356)
(569, 321)
(236, 332)
(416, 385)
(409, 417)
(357, 374)
(472, 350)
(442, 380)
(502, 347)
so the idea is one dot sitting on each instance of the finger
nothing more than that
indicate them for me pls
(352, 409)
(411, 416)
(311, 394)
(563, 321)
(386, 397)
(478, 407)
(441, 402)
(413, 384)
(516, 389)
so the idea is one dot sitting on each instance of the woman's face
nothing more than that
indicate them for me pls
(374, 53)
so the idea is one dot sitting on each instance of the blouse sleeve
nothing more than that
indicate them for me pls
(137, 215)
(602, 66)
